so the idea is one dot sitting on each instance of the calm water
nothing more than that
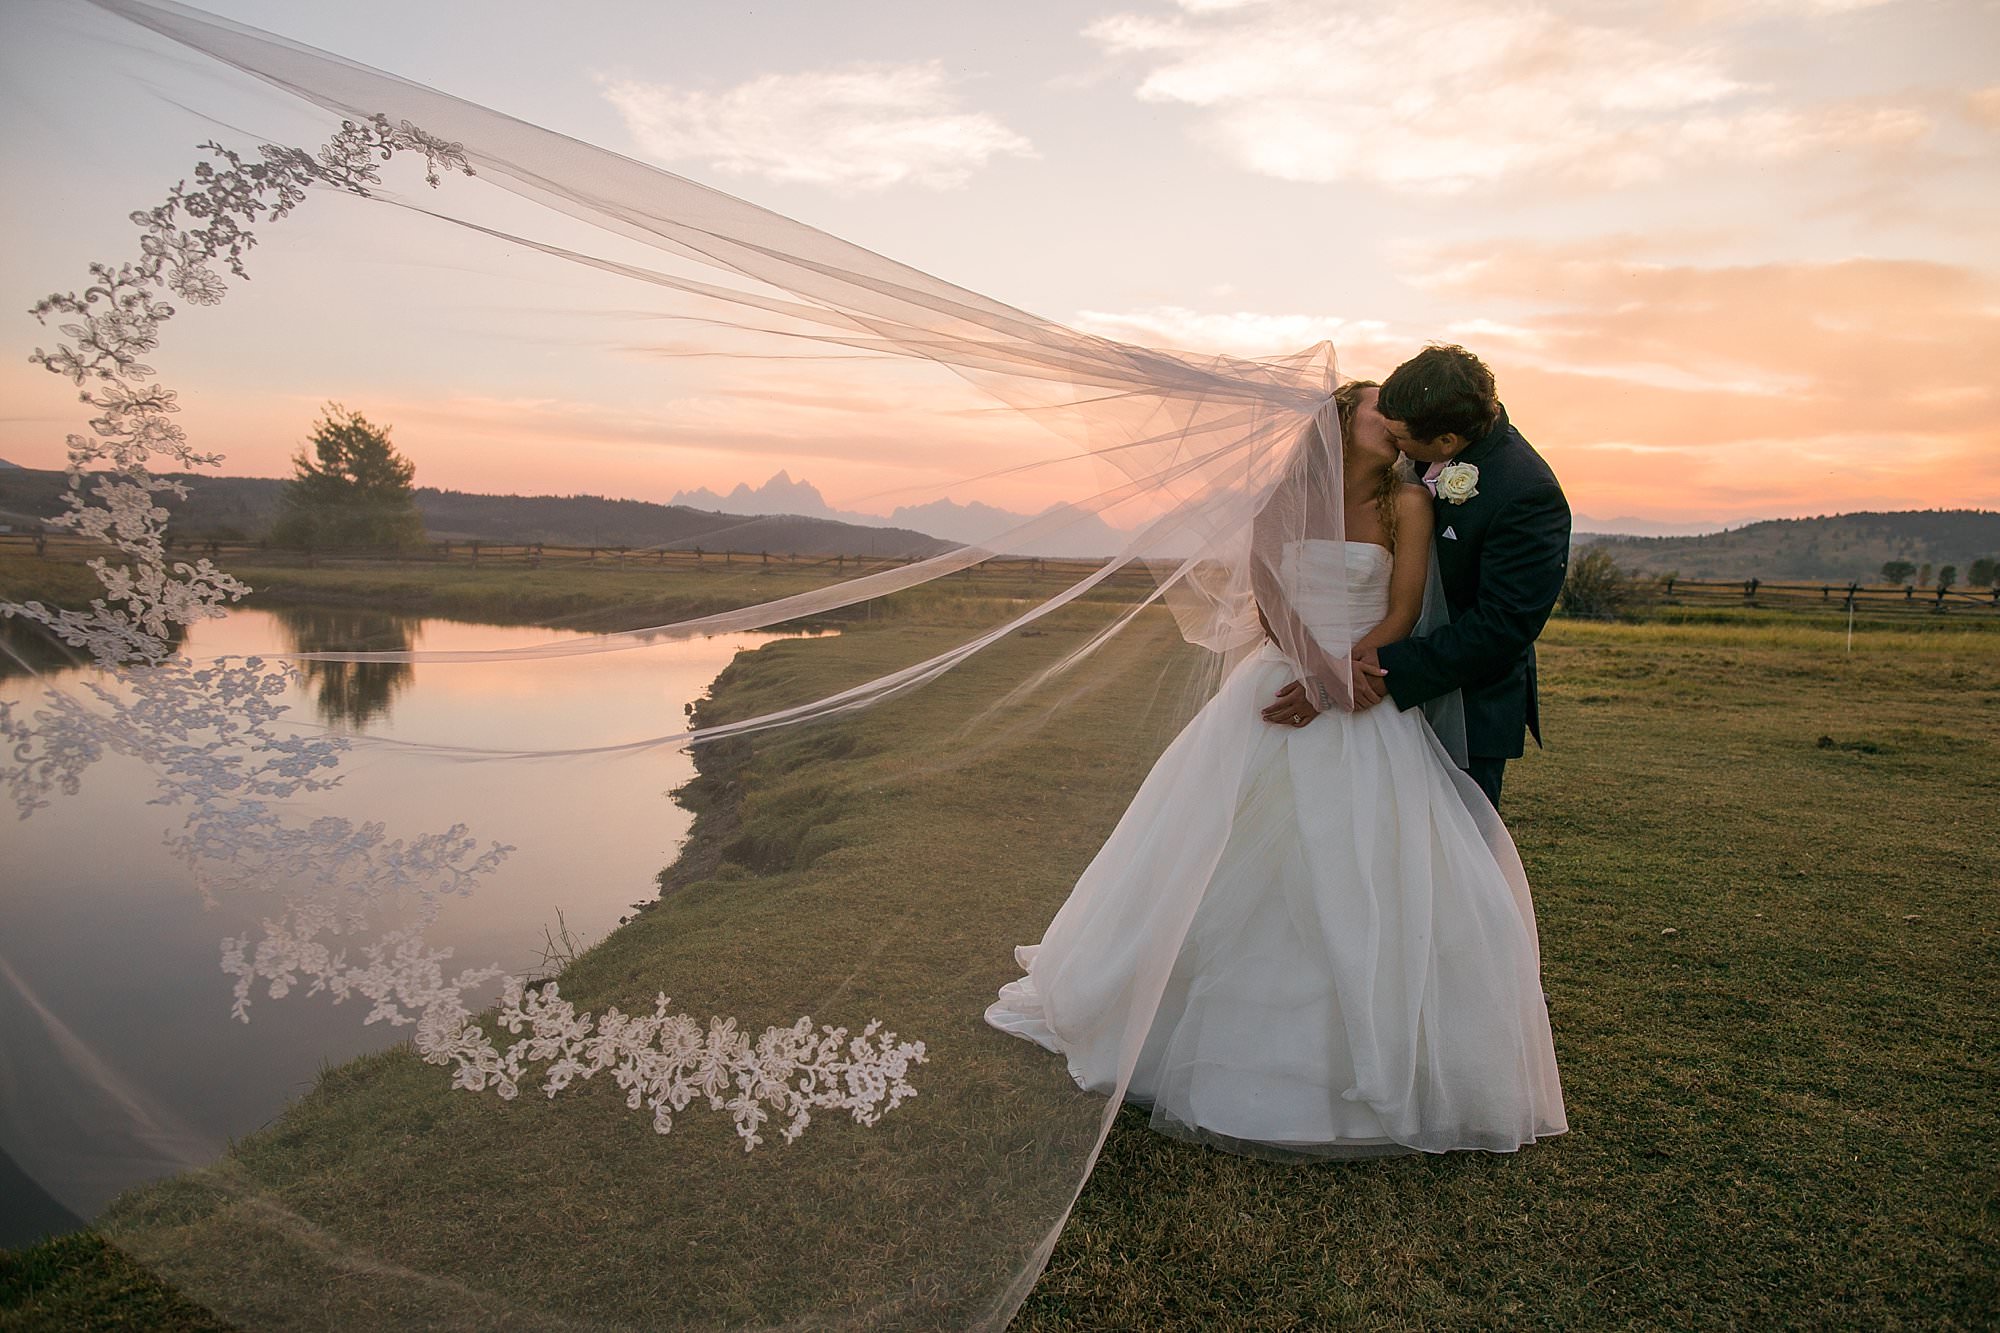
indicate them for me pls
(119, 1060)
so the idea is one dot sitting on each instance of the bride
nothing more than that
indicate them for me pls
(1360, 975)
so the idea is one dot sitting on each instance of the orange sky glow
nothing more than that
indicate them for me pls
(1727, 262)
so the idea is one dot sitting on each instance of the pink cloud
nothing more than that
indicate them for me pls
(1757, 388)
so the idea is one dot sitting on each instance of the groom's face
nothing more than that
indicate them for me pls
(1441, 450)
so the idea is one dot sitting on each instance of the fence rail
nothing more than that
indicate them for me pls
(536, 555)
(1831, 596)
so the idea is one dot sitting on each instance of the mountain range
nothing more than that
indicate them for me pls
(959, 524)
(1583, 525)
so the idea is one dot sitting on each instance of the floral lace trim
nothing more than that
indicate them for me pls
(209, 732)
(664, 1061)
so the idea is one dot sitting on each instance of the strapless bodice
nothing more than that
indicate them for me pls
(1330, 582)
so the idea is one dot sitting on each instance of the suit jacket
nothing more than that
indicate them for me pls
(1502, 557)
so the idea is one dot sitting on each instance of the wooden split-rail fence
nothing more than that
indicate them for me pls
(1829, 596)
(540, 555)
(547, 555)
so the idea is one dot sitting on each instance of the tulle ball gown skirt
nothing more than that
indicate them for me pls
(1312, 941)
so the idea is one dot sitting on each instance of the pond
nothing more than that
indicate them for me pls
(121, 1061)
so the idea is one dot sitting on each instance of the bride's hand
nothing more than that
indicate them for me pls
(1292, 708)
(1368, 672)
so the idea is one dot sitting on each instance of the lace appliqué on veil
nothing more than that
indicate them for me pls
(207, 732)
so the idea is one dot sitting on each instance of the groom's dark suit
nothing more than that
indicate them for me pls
(1502, 556)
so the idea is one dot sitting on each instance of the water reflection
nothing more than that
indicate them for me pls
(28, 649)
(350, 694)
(121, 1061)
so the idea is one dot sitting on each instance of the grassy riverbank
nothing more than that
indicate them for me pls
(1764, 869)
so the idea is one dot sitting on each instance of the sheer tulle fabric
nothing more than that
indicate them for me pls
(940, 1203)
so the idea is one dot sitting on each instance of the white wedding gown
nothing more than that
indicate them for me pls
(1359, 972)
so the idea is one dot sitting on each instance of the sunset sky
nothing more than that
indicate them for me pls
(1728, 260)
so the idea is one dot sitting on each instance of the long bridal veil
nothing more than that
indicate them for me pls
(765, 1103)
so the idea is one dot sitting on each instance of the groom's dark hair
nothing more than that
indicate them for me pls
(1442, 390)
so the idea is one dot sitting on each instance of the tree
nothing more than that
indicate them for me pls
(1946, 577)
(1985, 573)
(353, 489)
(1897, 571)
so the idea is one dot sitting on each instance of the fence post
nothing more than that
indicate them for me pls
(1750, 590)
(41, 543)
(1853, 591)
(475, 555)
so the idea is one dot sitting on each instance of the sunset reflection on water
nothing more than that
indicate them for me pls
(107, 930)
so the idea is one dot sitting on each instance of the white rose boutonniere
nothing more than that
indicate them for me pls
(1458, 482)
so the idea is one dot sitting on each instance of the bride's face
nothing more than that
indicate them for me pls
(1368, 443)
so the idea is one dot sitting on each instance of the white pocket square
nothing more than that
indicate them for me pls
(1450, 536)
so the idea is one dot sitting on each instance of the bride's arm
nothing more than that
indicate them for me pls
(1414, 523)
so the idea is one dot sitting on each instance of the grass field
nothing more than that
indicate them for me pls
(1765, 872)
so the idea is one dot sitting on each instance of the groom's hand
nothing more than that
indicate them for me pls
(1292, 709)
(1368, 673)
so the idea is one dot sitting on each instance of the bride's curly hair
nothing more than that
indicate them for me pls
(1346, 401)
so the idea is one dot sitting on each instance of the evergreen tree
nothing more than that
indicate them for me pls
(1985, 572)
(352, 488)
(1897, 571)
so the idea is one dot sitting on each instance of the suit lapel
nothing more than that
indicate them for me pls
(1458, 558)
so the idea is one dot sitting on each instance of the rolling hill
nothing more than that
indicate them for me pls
(1835, 547)
(239, 508)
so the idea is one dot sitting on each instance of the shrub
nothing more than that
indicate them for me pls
(1597, 589)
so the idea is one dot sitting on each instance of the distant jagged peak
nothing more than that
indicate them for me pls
(780, 495)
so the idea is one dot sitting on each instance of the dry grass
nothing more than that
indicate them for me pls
(1782, 1111)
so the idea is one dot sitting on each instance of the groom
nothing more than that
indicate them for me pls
(1502, 549)
(1502, 537)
